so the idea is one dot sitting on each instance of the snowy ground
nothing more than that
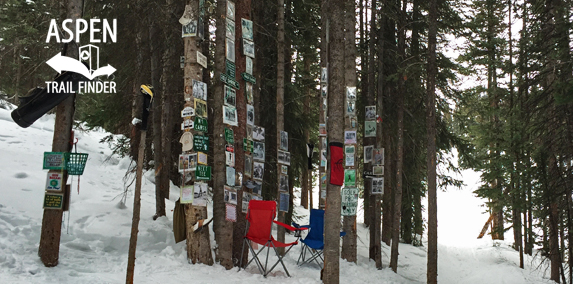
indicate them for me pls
(95, 234)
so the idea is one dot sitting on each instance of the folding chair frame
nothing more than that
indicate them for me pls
(268, 246)
(314, 255)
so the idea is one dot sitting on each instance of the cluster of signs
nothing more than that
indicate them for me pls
(194, 140)
(55, 195)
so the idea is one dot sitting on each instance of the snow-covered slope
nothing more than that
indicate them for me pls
(95, 232)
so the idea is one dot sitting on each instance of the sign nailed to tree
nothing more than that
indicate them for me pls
(349, 201)
(201, 143)
(203, 172)
(200, 124)
(53, 201)
(54, 161)
(54, 181)
(229, 135)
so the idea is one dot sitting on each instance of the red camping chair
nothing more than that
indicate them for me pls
(260, 217)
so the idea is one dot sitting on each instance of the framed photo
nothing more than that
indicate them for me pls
(230, 212)
(323, 91)
(351, 108)
(377, 185)
(249, 48)
(231, 10)
(349, 149)
(351, 93)
(245, 201)
(230, 159)
(353, 122)
(259, 133)
(230, 31)
(284, 202)
(258, 189)
(248, 171)
(200, 194)
(370, 128)
(259, 151)
(284, 170)
(199, 90)
(368, 154)
(230, 96)
(250, 132)
(189, 29)
(323, 143)
(284, 141)
(323, 182)
(200, 108)
(247, 29)
(283, 185)
(251, 117)
(187, 193)
(230, 195)
(370, 113)
(249, 66)
(349, 160)
(322, 129)
(349, 177)
(378, 156)
(258, 170)
(284, 157)
(201, 158)
(323, 75)
(249, 92)
(378, 170)
(230, 50)
(187, 162)
(230, 116)
(350, 137)
(230, 172)
(323, 158)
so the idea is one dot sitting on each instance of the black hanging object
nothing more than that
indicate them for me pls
(309, 152)
(147, 92)
(38, 101)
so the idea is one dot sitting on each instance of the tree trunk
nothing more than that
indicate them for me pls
(242, 11)
(222, 228)
(136, 210)
(321, 119)
(198, 243)
(349, 222)
(280, 105)
(432, 265)
(49, 249)
(400, 151)
(336, 93)
(306, 173)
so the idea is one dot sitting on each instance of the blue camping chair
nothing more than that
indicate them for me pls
(313, 243)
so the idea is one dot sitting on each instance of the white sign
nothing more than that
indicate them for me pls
(201, 59)
(187, 123)
(349, 201)
(54, 181)
(188, 111)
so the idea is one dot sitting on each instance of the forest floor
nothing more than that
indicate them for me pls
(96, 230)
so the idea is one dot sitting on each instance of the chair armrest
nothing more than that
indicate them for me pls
(342, 234)
(299, 227)
(288, 227)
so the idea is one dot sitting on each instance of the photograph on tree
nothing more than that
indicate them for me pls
(199, 90)
(230, 115)
(369, 128)
(230, 195)
(368, 153)
(200, 108)
(258, 170)
(230, 96)
(247, 29)
(251, 117)
(284, 141)
(259, 151)
(248, 170)
(249, 48)
(230, 32)
(259, 133)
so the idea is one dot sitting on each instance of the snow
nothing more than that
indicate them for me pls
(96, 230)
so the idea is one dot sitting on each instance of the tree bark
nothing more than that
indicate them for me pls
(432, 265)
(349, 222)
(400, 151)
(222, 228)
(49, 249)
(335, 134)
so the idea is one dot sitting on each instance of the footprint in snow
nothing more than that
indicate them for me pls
(21, 175)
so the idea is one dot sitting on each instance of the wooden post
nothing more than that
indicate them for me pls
(136, 210)
(49, 249)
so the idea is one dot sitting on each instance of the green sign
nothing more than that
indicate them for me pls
(53, 200)
(349, 177)
(229, 81)
(54, 161)
(203, 172)
(201, 143)
(229, 137)
(349, 201)
(248, 145)
(249, 78)
(200, 124)
(230, 68)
